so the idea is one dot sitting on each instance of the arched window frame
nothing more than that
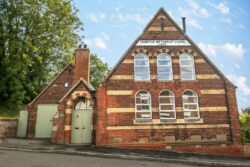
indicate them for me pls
(167, 114)
(187, 64)
(188, 109)
(141, 68)
(140, 112)
(166, 66)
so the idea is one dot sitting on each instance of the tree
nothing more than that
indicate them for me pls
(245, 125)
(98, 70)
(37, 39)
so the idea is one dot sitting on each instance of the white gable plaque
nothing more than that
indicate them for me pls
(163, 43)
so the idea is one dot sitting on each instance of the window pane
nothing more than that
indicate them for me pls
(191, 114)
(166, 100)
(143, 115)
(141, 62)
(141, 57)
(167, 115)
(164, 70)
(166, 107)
(186, 62)
(187, 76)
(141, 67)
(187, 70)
(141, 73)
(190, 104)
(190, 107)
(143, 105)
(164, 62)
(166, 93)
(187, 99)
(165, 76)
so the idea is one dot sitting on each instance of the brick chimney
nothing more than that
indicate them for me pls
(82, 63)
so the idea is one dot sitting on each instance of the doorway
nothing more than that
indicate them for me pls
(82, 122)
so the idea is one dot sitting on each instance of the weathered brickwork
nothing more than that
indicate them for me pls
(8, 128)
(215, 132)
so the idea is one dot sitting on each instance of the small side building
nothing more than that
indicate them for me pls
(65, 109)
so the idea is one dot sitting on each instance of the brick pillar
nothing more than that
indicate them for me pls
(82, 64)
(233, 112)
(101, 116)
(31, 121)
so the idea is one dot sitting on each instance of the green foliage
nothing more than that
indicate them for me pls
(98, 70)
(245, 125)
(37, 38)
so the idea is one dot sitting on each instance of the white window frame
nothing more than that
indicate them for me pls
(138, 111)
(190, 66)
(170, 104)
(166, 66)
(147, 65)
(187, 110)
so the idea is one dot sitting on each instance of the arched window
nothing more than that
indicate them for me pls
(164, 67)
(82, 104)
(187, 67)
(190, 105)
(141, 67)
(143, 106)
(167, 105)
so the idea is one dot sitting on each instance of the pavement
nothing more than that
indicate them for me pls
(44, 146)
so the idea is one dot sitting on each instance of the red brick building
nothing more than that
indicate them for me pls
(163, 94)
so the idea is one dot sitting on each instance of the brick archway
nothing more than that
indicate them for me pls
(69, 108)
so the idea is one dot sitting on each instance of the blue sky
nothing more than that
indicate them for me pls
(220, 28)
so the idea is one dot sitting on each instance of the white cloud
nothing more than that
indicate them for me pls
(234, 50)
(237, 66)
(228, 49)
(221, 7)
(241, 83)
(241, 26)
(136, 17)
(209, 49)
(105, 36)
(226, 20)
(194, 23)
(96, 17)
(99, 42)
(197, 10)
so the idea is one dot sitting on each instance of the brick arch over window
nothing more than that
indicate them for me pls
(164, 50)
(189, 51)
(141, 50)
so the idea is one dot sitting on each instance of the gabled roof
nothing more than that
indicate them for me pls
(178, 28)
(81, 80)
(49, 84)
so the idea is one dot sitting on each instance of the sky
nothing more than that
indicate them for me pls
(220, 28)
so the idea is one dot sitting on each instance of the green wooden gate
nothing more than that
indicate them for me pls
(44, 120)
(82, 126)
(22, 123)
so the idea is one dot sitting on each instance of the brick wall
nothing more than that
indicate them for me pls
(217, 130)
(8, 128)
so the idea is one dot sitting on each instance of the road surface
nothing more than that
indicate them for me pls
(29, 159)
